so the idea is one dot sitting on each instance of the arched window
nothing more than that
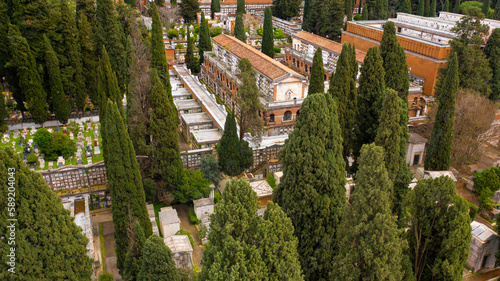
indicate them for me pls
(287, 116)
(293, 62)
(271, 118)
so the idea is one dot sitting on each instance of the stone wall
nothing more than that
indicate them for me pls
(69, 177)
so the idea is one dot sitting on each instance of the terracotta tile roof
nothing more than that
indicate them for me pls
(260, 61)
(234, 2)
(326, 44)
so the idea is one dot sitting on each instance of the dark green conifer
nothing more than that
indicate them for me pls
(388, 133)
(439, 231)
(158, 56)
(157, 261)
(107, 86)
(348, 9)
(446, 7)
(421, 8)
(311, 191)
(189, 57)
(306, 18)
(240, 7)
(214, 7)
(133, 259)
(89, 60)
(370, 246)
(239, 29)
(267, 37)
(343, 91)
(496, 15)
(286, 9)
(380, 11)
(3, 115)
(328, 18)
(427, 8)
(486, 8)
(205, 43)
(189, 10)
(49, 245)
(87, 8)
(492, 51)
(124, 181)
(317, 79)
(28, 73)
(456, 8)
(59, 100)
(167, 163)
(396, 68)
(432, 9)
(249, 101)
(438, 153)
(370, 96)
(404, 6)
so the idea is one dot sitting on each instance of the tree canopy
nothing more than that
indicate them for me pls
(317, 80)
(157, 262)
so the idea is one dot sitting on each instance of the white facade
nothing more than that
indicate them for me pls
(169, 222)
(483, 247)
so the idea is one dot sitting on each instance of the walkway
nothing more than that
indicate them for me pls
(52, 123)
(485, 276)
(183, 213)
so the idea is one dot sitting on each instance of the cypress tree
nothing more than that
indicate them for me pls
(343, 90)
(381, 7)
(59, 100)
(306, 17)
(388, 133)
(107, 86)
(158, 56)
(6, 70)
(370, 247)
(239, 29)
(267, 37)
(370, 96)
(205, 44)
(286, 9)
(30, 81)
(364, 13)
(49, 245)
(486, 8)
(432, 9)
(167, 163)
(249, 101)
(421, 9)
(439, 231)
(438, 153)
(496, 15)
(404, 6)
(89, 61)
(234, 154)
(311, 191)
(427, 8)
(446, 7)
(214, 7)
(189, 10)
(157, 262)
(396, 68)
(348, 9)
(87, 8)
(492, 51)
(240, 7)
(328, 18)
(133, 259)
(70, 59)
(124, 182)
(317, 80)
(3, 115)
(110, 34)
(456, 8)
(189, 57)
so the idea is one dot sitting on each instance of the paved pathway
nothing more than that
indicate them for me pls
(485, 276)
(183, 212)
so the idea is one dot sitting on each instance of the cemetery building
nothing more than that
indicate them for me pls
(203, 208)
(169, 222)
(263, 190)
(187, 106)
(282, 89)
(483, 247)
(182, 251)
(205, 138)
(70, 177)
(415, 150)
(195, 121)
(228, 7)
(288, 27)
(424, 39)
(181, 94)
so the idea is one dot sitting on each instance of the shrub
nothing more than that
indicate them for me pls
(260, 31)
(473, 210)
(183, 32)
(193, 186)
(277, 50)
(179, 46)
(60, 145)
(149, 189)
(357, 17)
(32, 158)
(271, 180)
(192, 217)
(42, 138)
(486, 183)
(171, 33)
(215, 31)
(217, 196)
(278, 34)
(106, 277)
(196, 29)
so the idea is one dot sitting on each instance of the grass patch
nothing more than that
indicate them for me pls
(192, 217)
(185, 232)
(157, 207)
(103, 249)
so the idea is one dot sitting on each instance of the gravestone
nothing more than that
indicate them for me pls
(16, 134)
(42, 162)
(88, 140)
(96, 135)
(50, 130)
(89, 126)
(60, 161)
(96, 142)
(79, 161)
(71, 136)
(25, 131)
(79, 144)
(97, 151)
(79, 153)
(80, 135)
(51, 164)
(81, 127)
(89, 160)
(65, 131)
(33, 130)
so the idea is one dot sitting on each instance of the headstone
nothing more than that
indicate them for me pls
(79, 144)
(79, 154)
(57, 129)
(89, 126)
(51, 164)
(65, 130)
(96, 135)
(97, 151)
(79, 161)
(88, 140)
(81, 127)
(30, 142)
(89, 160)
(60, 161)
(42, 163)
(33, 130)
(96, 142)
(80, 135)
(71, 136)
(16, 134)
(50, 130)
(25, 131)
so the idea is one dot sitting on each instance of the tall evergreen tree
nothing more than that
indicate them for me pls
(421, 8)
(286, 9)
(307, 20)
(395, 65)
(59, 100)
(3, 115)
(167, 163)
(189, 57)
(370, 96)
(496, 15)
(486, 8)
(380, 11)
(234, 155)
(214, 7)
(110, 34)
(107, 86)
(124, 181)
(492, 51)
(370, 247)
(189, 10)
(30, 82)
(89, 60)
(427, 8)
(343, 91)
(438, 153)
(48, 244)
(205, 43)
(388, 133)
(133, 259)
(249, 101)
(239, 29)
(328, 18)
(438, 230)
(446, 7)
(8, 70)
(432, 9)
(87, 8)
(158, 56)
(267, 37)
(317, 80)
(240, 7)
(311, 191)
(157, 262)
(404, 6)
(348, 9)
(70, 60)
(456, 8)
(244, 246)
